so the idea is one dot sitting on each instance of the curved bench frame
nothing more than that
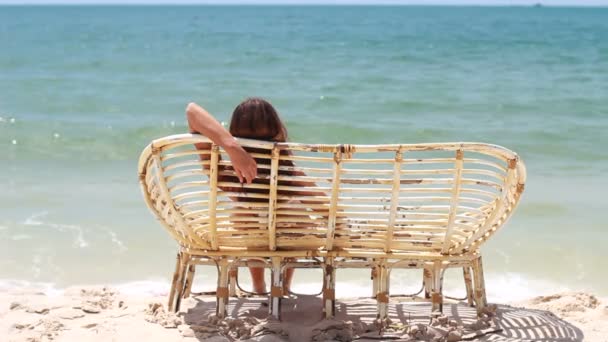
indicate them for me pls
(453, 241)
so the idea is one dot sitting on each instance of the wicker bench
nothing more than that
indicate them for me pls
(419, 206)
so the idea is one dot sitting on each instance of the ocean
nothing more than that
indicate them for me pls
(84, 88)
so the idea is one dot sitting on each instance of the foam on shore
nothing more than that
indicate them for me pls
(501, 288)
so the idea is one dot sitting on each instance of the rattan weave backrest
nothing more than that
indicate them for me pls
(423, 198)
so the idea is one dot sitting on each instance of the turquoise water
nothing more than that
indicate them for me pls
(84, 89)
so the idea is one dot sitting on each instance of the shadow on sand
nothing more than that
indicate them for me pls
(302, 319)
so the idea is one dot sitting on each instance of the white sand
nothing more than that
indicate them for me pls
(583, 310)
(102, 314)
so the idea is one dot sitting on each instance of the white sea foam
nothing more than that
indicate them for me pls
(158, 287)
(9, 285)
(36, 269)
(33, 219)
(19, 237)
(121, 246)
(79, 240)
(581, 273)
(501, 288)
(153, 287)
(512, 287)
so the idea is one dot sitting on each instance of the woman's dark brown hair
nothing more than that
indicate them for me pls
(256, 118)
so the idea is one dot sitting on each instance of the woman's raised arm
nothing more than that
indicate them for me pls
(200, 121)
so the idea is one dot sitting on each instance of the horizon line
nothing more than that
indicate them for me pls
(262, 3)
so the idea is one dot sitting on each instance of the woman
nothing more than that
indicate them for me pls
(254, 118)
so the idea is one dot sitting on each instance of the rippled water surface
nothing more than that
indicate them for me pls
(84, 89)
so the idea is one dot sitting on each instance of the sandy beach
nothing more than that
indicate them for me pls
(105, 314)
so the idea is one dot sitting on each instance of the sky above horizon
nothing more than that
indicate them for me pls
(330, 2)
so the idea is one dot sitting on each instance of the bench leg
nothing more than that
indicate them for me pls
(276, 290)
(189, 280)
(437, 289)
(174, 282)
(480, 287)
(468, 282)
(233, 274)
(222, 288)
(427, 282)
(181, 282)
(329, 288)
(374, 281)
(382, 296)
(177, 285)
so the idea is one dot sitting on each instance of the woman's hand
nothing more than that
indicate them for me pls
(200, 121)
(243, 163)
